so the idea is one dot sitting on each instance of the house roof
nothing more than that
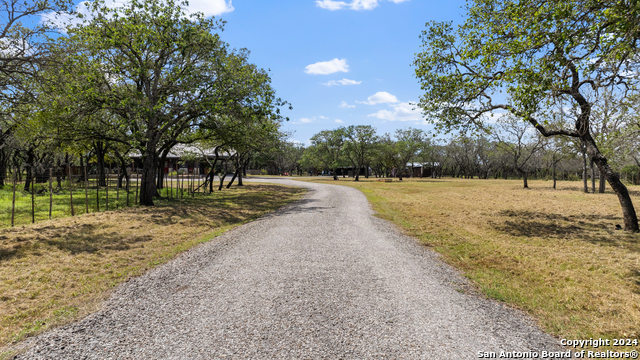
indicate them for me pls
(178, 151)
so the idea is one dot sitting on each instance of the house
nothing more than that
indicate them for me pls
(188, 158)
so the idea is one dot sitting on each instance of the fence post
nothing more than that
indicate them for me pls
(13, 203)
(106, 200)
(73, 213)
(86, 191)
(50, 191)
(117, 190)
(128, 180)
(137, 185)
(33, 195)
(98, 193)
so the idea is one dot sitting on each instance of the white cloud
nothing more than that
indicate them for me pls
(363, 4)
(211, 7)
(310, 120)
(331, 5)
(327, 67)
(342, 82)
(338, 121)
(345, 105)
(207, 7)
(353, 5)
(380, 97)
(401, 112)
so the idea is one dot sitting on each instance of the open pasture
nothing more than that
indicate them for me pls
(553, 253)
(57, 271)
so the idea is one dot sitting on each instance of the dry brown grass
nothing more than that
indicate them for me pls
(553, 253)
(60, 270)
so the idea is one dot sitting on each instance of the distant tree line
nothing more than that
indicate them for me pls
(512, 150)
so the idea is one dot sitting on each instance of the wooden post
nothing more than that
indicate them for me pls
(13, 203)
(33, 196)
(137, 185)
(128, 178)
(98, 193)
(86, 191)
(106, 199)
(117, 190)
(73, 213)
(50, 191)
(166, 184)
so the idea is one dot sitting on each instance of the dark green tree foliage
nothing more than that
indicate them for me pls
(525, 57)
(162, 74)
(327, 149)
(359, 147)
(24, 51)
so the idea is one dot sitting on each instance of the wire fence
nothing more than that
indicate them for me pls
(27, 198)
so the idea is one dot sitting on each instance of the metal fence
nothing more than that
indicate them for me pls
(27, 198)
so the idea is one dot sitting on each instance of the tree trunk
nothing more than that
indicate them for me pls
(29, 168)
(235, 174)
(593, 178)
(148, 187)
(584, 170)
(100, 153)
(628, 211)
(603, 183)
(554, 174)
(524, 178)
(161, 161)
(240, 177)
(243, 171)
(58, 176)
(82, 179)
(224, 174)
(4, 164)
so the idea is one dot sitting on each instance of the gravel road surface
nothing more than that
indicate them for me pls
(319, 279)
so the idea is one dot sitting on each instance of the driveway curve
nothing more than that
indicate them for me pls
(321, 278)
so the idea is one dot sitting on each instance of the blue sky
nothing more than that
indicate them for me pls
(338, 63)
(365, 55)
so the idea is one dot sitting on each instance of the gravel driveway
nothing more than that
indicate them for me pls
(319, 279)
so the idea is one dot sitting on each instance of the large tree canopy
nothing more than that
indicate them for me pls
(527, 57)
(154, 75)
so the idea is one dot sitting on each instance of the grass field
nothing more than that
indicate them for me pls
(56, 271)
(92, 199)
(552, 253)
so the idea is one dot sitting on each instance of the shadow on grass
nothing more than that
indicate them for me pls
(609, 191)
(595, 229)
(99, 235)
(261, 198)
(85, 238)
